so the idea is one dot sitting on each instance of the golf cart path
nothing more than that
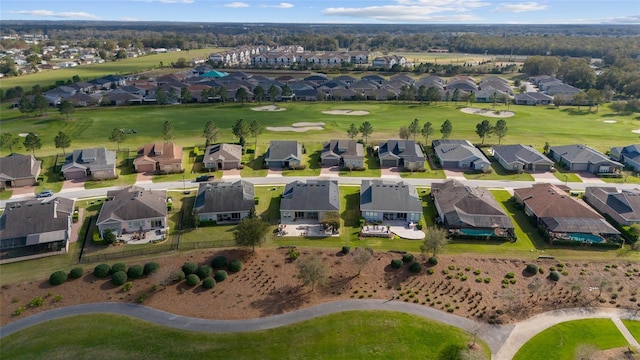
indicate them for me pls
(504, 341)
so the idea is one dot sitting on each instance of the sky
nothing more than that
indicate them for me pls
(331, 11)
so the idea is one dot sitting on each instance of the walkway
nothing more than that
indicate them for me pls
(503, 340)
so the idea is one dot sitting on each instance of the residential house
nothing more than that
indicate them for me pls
(133, 209)
(284, 154)
(163, 157)
(35, 228)
(532, 98)
(470, 211)
(628, 155)
(385, 200)
(521, 158)
(579, 157)
(460, 154)
(222, 157)
(18, 170)
(95, 163)
(405, 154)
(562, 217)
(225, 202)
(313, 200)
(622, 205)
(344, 153)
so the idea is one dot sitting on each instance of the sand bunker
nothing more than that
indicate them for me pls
(346, 112)
(23, 134)
(298, 127)
(609, 121)
(488, 113)
(268, 108)
(636, 131)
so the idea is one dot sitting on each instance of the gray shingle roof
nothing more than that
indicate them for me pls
(280, 150)
(312, 195)
(228, 152)
(18, 166)
(133, 203)
(626, 203)
(405, 149)
(28, 219)
(348, 149)
(215, 197)
(93, 159)
(385, 195)
(465, 207)
(578, 153)
(456, 150)
(520, 153)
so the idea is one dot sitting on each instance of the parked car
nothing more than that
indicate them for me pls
(45, 193)
(203, 178)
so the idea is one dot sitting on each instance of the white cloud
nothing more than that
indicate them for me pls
(236, 4)
(414, 10)
(128, 19)
(282, 5)
(631, 19)
(168, 1)
(62, 14)
(520, 7)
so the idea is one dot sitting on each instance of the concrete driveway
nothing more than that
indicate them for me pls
(390, 173)
(274, 172)
(330, 171)
(454, 174)
(546, 177)
(589, 178)
(231, 174)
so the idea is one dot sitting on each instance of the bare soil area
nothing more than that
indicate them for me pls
(268, 285)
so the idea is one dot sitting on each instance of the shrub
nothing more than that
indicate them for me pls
(554, 275)
(37, 301)
(127, 286)
(532, 269)
(192, 279)
(208, 283)
(150, 268)
(433, 260)
(396, 263)
(176, 276)
(415, 267)
(119, 278)
(345, 250)
(76, 273)
(219, 262)
(135, 271)
(118, 267)
(487, 280)
(235, 266)
(189, 268)
(407, 258)
(293, 254)
(430, 271)
(477, 272)
(510, 275)
(18, 311)
(204, 271)
(220, 275)
(101, 271)
(58, 278)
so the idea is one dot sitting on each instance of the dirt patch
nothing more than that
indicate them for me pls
(268, 108)
(488, 113)
(346, 112)
(267, 285)
(298, 127)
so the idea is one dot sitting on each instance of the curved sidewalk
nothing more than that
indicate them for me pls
(494, 336)
(504, 341)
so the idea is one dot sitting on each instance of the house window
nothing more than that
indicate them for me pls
(134, 225)
(156, 223)
(235, 216)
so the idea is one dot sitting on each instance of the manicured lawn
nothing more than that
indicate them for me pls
(18, 272)
(253, 161)
(566, 176)
(51, 173)
(628, 177)
(311, 160)
(560, 341)
(633, 327)
(533, 125)
(349, 335)
(88, 72)
(6, 194)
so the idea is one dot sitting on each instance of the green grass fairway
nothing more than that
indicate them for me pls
(88, 72)
(532, 125)
(349, 335)
(633, 327)
(560, 341)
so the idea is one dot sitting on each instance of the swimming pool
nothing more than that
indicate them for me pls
(591, 238)
(477, 232)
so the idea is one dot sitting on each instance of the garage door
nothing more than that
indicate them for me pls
(331, 162)
(389, 163)
(74, 174)
(145, 167)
